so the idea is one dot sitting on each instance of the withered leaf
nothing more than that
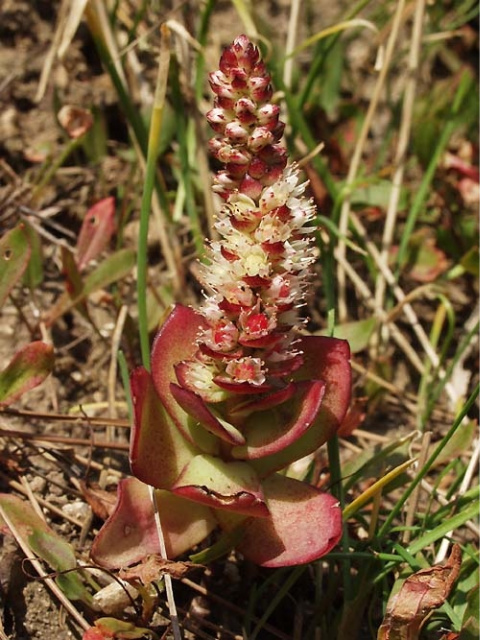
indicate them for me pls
(421, 592)
(101, 501)
(154, 566)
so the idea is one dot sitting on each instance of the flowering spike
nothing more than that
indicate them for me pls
(257, 272)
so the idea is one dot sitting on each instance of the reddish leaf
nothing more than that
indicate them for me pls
(304, 525)
(27, 369)
(222, 485)
(175, 342)
(130, 533)
(355, 417)
(158, 451)
(97, 228)
(270, 432)
(94, 633)
(113, 629)
(421, 592)
(196, 408)
(244, 409)
(328, 360)
(15, 253)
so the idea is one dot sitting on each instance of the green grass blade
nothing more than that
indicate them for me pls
(423, 191)
(153, 141)
(424, 470)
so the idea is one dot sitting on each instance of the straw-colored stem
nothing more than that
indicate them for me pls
(177, 635)
(402, 146)
(357, 155)
(290, 44)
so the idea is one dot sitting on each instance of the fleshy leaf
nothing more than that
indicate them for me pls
(176, 341)
(421, 592)
(46, 544)
(112, 628)
(304, 525)
(113, 268)
(130, 533)
(97, 228)
(249, 406)
(158, 451)
(14, 256)
(27, 369)
(280, 426)
(222, 485)
(328, 360)
(196, 408)
(357, 333)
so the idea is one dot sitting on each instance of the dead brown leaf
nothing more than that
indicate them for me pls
(421, 592)
(153, 566)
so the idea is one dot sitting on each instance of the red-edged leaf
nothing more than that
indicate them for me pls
(97, 228)
(241, 387)
(271, 431)
(15, 253)
(222, 485)
(249, 406)
(328, 360)
(304, 525)
(158, 451)
(130, 533)
(175, 342)
(27, 369)
(196, 408)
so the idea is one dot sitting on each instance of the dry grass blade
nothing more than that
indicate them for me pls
(357, 155)
(177, 634)
(402, 145)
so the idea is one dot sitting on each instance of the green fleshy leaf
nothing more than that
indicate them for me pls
(27, 369)
(222, 485)
(357, 334)
(112, 269)
(175, 342)
(377, 195)
(33, 276)
(158, 451)
(46, 544)
(112, 628)
(15, 253)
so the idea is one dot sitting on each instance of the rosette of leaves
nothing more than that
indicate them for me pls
(237, 391)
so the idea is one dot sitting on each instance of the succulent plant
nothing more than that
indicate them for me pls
(236, 390)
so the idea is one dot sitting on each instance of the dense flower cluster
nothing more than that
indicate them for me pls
(257, 271)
